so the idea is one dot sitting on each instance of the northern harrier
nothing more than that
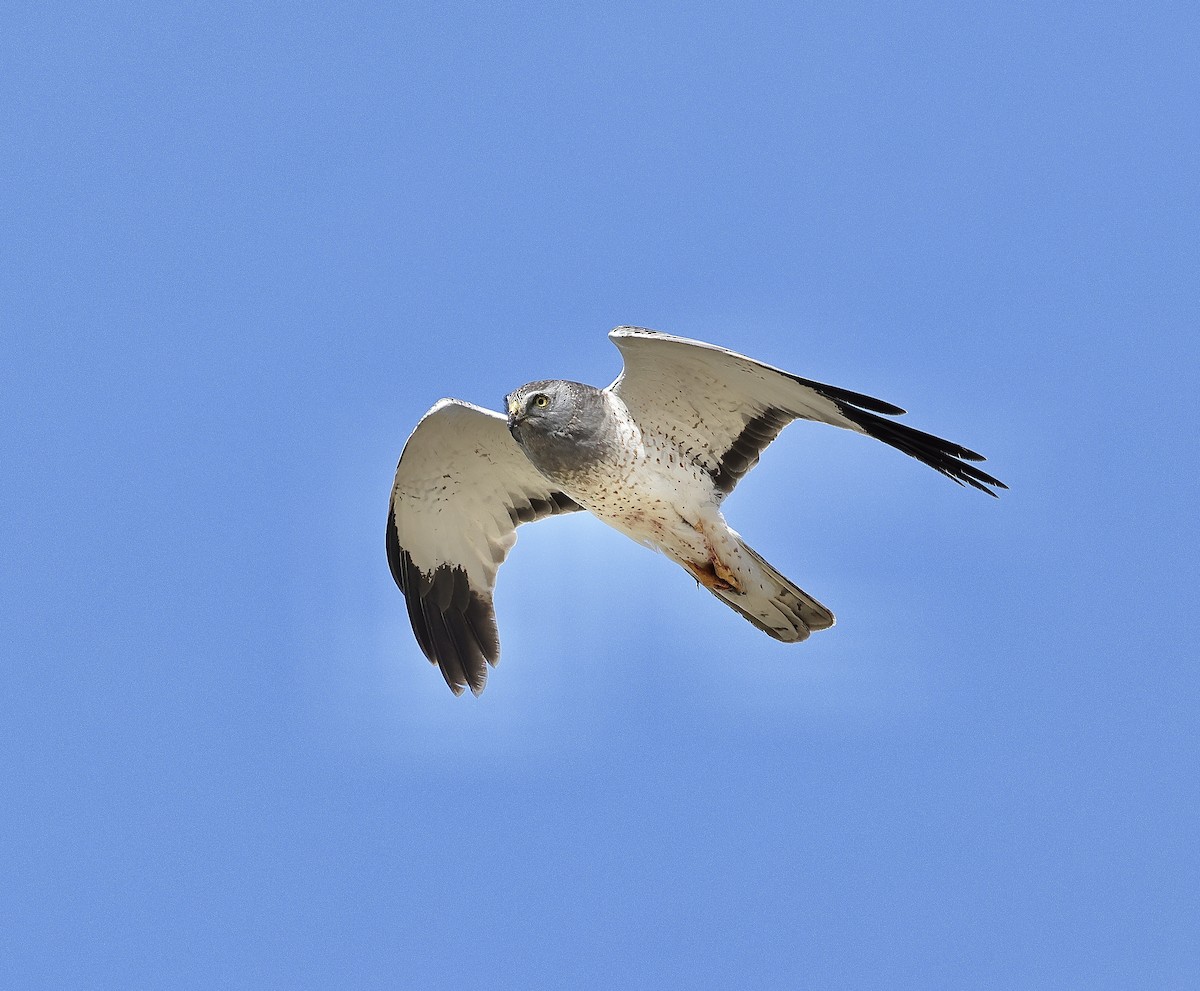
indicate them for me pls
(653, 455)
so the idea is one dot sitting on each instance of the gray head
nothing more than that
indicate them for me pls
(563, 427)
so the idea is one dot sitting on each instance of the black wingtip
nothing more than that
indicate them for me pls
(395, 560)
(455, 624)
(455, 627)
(944, 456)
(853, 398)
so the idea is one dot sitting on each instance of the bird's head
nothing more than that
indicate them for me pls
(540, 408)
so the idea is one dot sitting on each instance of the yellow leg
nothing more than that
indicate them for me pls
(713, 575)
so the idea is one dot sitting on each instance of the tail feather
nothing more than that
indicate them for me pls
(774, 604)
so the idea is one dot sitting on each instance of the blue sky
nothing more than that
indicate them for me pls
(245, 248)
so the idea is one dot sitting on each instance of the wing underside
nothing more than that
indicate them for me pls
(462, 488)
(724, 409)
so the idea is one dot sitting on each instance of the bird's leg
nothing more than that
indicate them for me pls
(714, 574)
(725, 574)
(708, 576)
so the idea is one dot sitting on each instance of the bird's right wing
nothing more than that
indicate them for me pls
(463, 485)
(723, 408)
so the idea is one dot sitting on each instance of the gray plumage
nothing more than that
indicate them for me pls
(653, 455)
(575, 433)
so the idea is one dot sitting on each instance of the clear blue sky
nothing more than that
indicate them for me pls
(245, 247)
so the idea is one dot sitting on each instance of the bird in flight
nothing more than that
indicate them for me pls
(653, 455)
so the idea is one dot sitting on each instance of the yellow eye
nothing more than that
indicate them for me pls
(541, 402)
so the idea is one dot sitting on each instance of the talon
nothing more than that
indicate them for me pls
(714, 576)
(726, 574)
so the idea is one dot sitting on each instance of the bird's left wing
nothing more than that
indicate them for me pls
(462, 488)
(723, 408)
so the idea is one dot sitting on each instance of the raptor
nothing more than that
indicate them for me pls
(653, 455)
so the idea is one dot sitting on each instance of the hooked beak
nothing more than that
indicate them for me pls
(514, 415)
